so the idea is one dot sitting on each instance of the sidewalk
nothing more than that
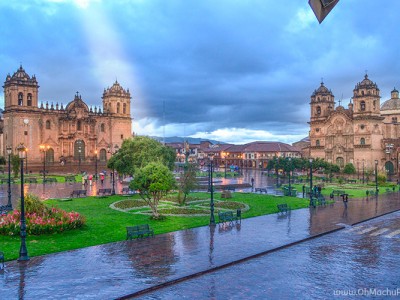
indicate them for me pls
(118, 269)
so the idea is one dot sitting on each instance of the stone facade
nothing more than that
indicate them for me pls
(68, 134)
(362, 134)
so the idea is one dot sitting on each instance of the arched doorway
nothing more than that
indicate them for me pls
(79, 150)
(50, 155)
(389, 168)
(103, 155)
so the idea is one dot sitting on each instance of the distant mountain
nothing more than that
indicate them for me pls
(178, 139)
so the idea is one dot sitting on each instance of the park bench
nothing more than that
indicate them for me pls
(2, 260)
(78, 193)
(371, 193)
(5, 180)
(338, 192)
(5, 209)
(138, 231)
(351, 180)
(127, 190)
(30, 180)
(69, 178)
(50, 180)
(261, 190)
(283, 208)
(104, 192)
(228, 216)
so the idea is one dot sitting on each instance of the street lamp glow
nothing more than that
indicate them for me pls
(212, 218)
(9, 151)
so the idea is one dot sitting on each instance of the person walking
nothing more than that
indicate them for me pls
(102, 179)
(90, 179)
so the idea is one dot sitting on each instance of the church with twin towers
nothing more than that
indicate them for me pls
(366, 133)
(63, 134)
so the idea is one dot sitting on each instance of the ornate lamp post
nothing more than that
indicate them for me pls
(363, 173)
(112, 152)
(290, 167)
(44, 148)
(311, 184)
(23, 251)
(226, 154)
(212, 218)
(80, 157)
(26, 161)
(95, 164)
(9, 204)
(376, 177)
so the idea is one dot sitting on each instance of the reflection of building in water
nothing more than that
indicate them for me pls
(360, 134)
(70, 134)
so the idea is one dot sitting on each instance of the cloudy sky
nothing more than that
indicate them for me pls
(230, 70)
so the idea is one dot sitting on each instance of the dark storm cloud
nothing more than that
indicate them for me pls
(213, 64)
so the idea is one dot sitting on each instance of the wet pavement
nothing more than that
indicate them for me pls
(356, 263)
(130, 267)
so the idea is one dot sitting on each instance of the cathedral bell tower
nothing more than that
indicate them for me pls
(322, 103)
(116, 100)
(366, 99)
(20, 91)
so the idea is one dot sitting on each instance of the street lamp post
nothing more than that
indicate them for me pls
(212, 218)
(363, 173)
(358, 170)
(9, 204)
(23, 251)
(290, 166)
(376, 177)
(95, 164)
(79, 161)
(311, 184)
(44, 148)
(26, 161)
(112, 152)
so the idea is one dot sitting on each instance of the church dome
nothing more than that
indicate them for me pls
(393, 103)
(21, 77)
(322, 90)
(366, 83)
(116, 90)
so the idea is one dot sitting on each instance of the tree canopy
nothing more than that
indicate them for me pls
(153, 181)
(137, 152)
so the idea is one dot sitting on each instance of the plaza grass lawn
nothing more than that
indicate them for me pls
(105, 225)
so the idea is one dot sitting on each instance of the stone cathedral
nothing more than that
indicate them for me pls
(63, 134)
(364, 133)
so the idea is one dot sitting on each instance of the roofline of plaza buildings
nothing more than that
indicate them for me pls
(251, 155)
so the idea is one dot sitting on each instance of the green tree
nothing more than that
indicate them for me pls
(349, 169)
(137, 152)
(153, 181)
(15, 164)
(187, 182)
(2, 160)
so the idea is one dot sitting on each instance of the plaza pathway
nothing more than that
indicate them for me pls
(129, 268)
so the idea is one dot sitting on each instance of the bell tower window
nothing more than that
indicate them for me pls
(118, 107)
(124, 108)
(29, 102)
(362, 141)
(102, 127)
(362, 106)
(318, 110)
(20, 99)
(317, 143)
(48, 125)
(79, 125)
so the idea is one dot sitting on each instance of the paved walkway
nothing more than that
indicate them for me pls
(130, 267)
